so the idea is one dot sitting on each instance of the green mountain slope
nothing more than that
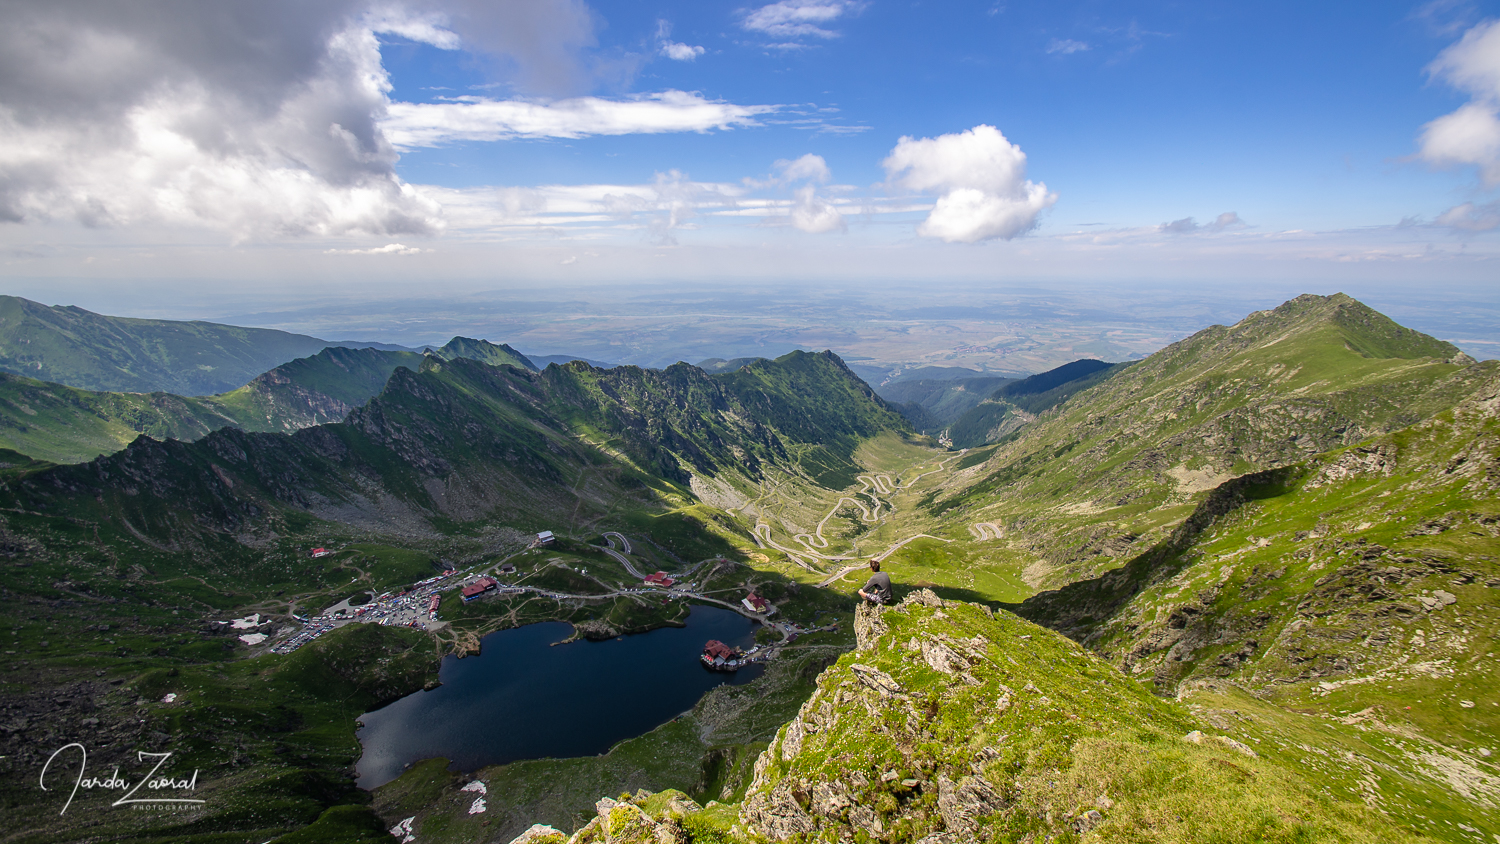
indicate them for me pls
(460, 440)
(1365, 580)
(1016, 404)
(485, 352)
(1118, 464)
(72, 346)
(313, 390)
(68, 425)
(952, 724)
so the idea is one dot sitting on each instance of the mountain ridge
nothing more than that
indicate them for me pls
(69, 345)
(1275, 388)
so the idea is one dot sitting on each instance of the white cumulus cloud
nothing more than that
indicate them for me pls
(482, 119)
(808, 167)
(674, 50)
(808, 212)
(427, 28)
(797, 18)
(677, 51)
(814, 215)
(981, 179)
(668, 204)
(260, 121)
(1471, 134)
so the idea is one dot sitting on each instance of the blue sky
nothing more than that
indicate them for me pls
(1298, 113)
(481, 144)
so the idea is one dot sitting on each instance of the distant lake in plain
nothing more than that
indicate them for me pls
(523, 698)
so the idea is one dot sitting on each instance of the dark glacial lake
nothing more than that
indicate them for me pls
(523, 698)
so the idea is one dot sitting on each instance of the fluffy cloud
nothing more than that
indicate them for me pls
(981, 177)
(1470, 135)
(674, 50)
(273, 118)
(539, 46)
(481, 119)
(668, 204)
(809, 212)
(796, 18)
(677, 51)
(807, 168)
(259, 119)
(814, 215)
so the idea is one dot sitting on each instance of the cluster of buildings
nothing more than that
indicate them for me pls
(385, 609)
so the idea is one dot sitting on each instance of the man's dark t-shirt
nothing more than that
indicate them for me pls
(879, 587)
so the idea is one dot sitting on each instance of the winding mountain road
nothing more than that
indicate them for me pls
(986, 530)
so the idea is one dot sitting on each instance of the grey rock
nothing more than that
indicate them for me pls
(942, 658)
(962, 804)
(830, 799)
(922, 598)
(540, 834)
(864, 818)
(868, 625)
(881, 682)
(776, 815)
(1087, 821)
(791, 742)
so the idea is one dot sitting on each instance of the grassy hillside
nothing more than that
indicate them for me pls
(1362, 581)
(313, 390)
(950, 723)
(68, 345)
(460, 440)
(484, 352)
(1110, 470)
(68, 425)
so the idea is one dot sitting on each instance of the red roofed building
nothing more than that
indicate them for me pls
(659, 579)
(718, 650)
(479, 587)
(320, 552)
(757, 604)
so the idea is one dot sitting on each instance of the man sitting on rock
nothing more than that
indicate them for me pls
(878, 589)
